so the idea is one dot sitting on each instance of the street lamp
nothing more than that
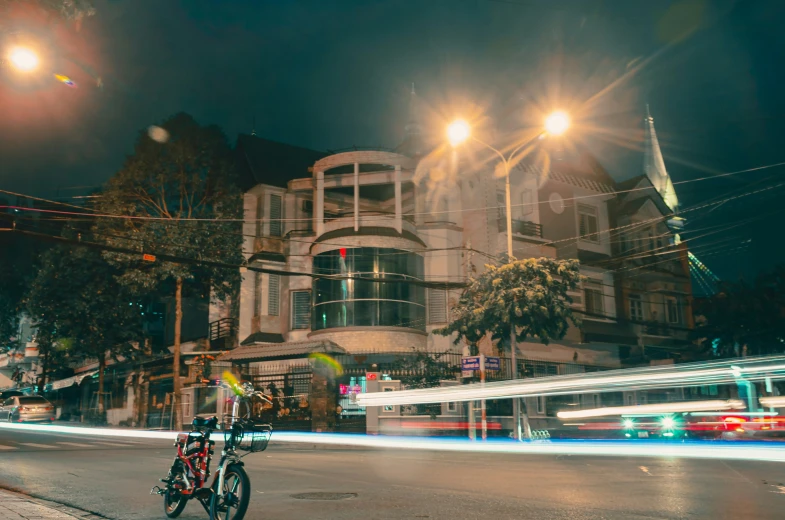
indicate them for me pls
(459, 132)
(23, 59)
(557, 123)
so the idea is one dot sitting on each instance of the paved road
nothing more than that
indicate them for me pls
(113, 477)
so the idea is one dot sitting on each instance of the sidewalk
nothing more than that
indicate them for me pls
(14, 506)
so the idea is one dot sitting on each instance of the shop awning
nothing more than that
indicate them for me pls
(278, 351)
(68, 381)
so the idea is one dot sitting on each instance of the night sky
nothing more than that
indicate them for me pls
(332, 74)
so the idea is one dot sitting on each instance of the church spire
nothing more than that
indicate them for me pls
(412, 142)
(654, 164)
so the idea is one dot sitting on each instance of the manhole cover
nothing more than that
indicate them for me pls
(323, 496)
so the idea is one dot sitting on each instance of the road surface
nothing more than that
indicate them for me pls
(113, 477)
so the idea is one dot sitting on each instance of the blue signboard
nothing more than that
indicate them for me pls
(470, 363)
(493, 363)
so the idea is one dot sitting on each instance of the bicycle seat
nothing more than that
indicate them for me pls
(200, 423)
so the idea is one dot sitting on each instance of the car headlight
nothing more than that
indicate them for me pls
(668, 423)
(628, 424)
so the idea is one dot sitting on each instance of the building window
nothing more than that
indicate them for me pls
(501, 202)
(273, 294)
(588, 226)
(275, 215)
(259, 215)
(595, 298)
(527, 202)
(452, 406)
(636, 307)
(257, 294)
(385, 299)
(541, 405)
(301, 309)
(674, 310)
(437, 306)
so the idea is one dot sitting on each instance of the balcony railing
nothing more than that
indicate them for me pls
(222, 333)
(522, 227)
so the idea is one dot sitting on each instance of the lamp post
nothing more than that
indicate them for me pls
(459, 132)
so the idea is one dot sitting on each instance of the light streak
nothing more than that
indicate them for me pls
(773, 402)
(692, 374)
(645, 409)
(769, 452)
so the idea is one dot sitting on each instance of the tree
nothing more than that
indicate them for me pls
(532, 294)
(743, 318)
(18, 255)
(78, 303)
(178, 195)
(65, 9)
(422, 369)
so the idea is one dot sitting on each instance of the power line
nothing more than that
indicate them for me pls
(413, 214)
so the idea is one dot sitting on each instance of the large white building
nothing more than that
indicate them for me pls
(401, 216)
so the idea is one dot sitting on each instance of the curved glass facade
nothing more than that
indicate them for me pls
(354, 303)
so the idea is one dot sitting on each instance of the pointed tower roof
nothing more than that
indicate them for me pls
(412, 142)
(654, 164)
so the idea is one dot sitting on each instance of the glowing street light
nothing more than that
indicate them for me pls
(23, 59)
(557, 123)
(458, 132)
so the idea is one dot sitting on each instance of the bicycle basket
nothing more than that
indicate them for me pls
(246, 435)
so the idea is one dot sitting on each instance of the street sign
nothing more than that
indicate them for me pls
(470, 363)
(493, 363)
(372, 376)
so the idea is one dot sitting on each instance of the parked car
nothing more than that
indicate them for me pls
(24, 408)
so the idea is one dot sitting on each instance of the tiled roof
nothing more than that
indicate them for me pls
(278, 351)
(588, 181)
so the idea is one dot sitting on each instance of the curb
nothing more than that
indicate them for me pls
(13, 501)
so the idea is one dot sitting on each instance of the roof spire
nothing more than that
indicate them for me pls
(412, 143)
(654, 164)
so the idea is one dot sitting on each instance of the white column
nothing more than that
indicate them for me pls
(398, 200)
(356, 196)
(319, 198)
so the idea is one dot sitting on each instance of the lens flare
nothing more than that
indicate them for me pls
(65, 80)
(233, 383)
(328, 361)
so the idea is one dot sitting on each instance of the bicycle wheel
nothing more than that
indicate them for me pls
(231, 502)
(174, 501)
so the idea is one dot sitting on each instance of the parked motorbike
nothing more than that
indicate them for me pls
(228, 494)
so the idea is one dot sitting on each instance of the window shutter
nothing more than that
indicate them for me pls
(257, 294)
(301, 310)
(273, 294)
(437, 306)
(259, 215)
(275, 215)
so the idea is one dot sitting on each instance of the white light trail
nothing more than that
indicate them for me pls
(692, 374)
(768, 452)
(646, 409)
(773, 402)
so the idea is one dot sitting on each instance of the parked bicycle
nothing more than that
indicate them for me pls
(227, 496)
